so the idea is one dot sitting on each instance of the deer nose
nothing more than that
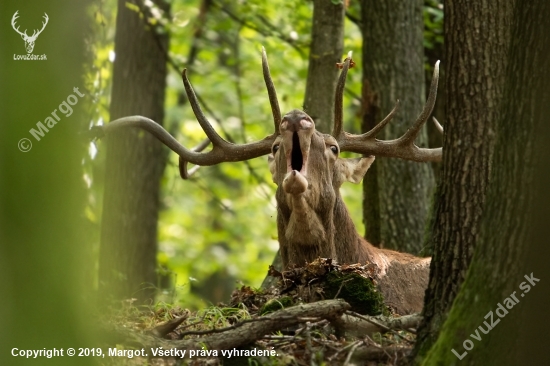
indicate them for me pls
(295, 121)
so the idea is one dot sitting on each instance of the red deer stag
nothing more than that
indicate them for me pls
(312, 219)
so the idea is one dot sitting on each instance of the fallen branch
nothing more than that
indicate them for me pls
(361, 325)
(234, 337)
(163, 329)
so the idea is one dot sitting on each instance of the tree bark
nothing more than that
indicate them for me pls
(135, 161)
(327, 47)
(477, 35)
(396, 193)
(497, 272)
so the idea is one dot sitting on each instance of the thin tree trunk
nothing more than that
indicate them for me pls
(396, 193)
(497, 273)
(477, 35)
(135, 161)
(327, 47)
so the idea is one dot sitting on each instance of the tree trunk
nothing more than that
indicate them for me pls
(135, 161)
(497, 272)
(45, 239)
(396, 192)
(327, 48)
(477, 57)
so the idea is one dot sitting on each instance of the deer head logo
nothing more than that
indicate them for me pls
(29, 40)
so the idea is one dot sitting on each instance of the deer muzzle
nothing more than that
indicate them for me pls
(296, 130)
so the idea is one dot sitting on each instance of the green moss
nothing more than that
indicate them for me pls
(276, 304)
(358, 291)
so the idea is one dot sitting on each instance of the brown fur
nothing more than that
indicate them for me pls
(313, 220)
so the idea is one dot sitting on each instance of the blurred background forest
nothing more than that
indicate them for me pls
(218, 229)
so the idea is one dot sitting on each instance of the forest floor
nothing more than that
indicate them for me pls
(291, 323)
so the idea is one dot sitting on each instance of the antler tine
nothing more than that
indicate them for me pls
(44, 23)
(413, 131)
(13, 20)
(402, 147)
(376, 129)
(339, 98)
(275, 110)
(437, 125)
(216, 139)
(187, 173)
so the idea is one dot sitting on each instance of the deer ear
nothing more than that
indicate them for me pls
(353, 170)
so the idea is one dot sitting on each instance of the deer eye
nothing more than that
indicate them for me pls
(275, 148)
(334, 149)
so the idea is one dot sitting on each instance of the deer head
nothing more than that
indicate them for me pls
(305, 164)
(308, 171)
(29, 40)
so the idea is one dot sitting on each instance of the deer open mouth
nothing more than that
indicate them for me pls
(296, 130)
(296, 157)
(298, 154)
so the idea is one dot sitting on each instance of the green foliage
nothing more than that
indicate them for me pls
(433, 24)
(276, 304)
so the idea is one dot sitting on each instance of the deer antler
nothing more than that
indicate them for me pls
(36, 33)
(222, 151)
(13, 20)
(367, 144)
(275, 110)
(212, 135)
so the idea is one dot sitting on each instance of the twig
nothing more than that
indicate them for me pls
(351, 351)
(331, 358)
(375, 344)
(402, 323)
(341, 285)
(309, 352)
(221, 330)
(368, 319)
(224, 8)
(380, 354)
(312, 325)
(167, 327)
(281, 337)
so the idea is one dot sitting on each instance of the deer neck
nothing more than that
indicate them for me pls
(305, 226)
(350, 246)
